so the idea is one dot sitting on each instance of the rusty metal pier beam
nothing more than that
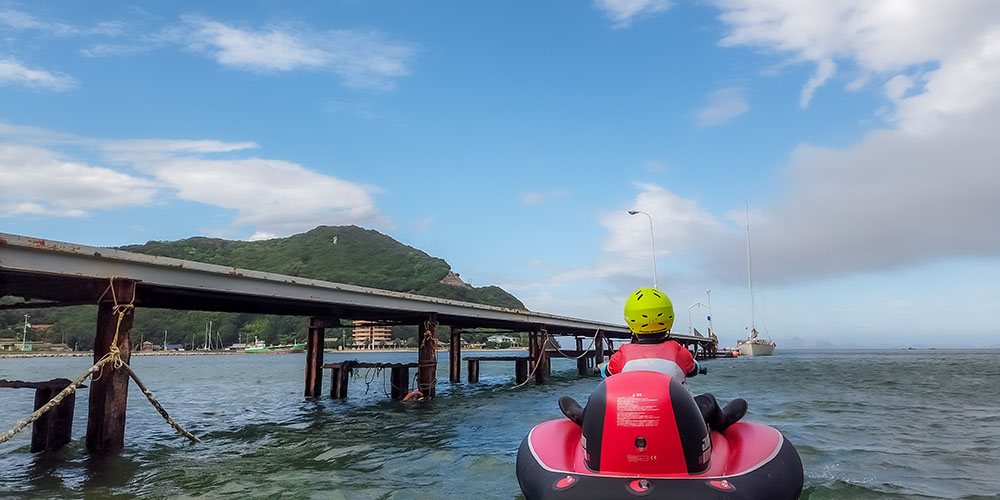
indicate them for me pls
(109, 389)
(314, 354)
(427, 356)
(455, 356)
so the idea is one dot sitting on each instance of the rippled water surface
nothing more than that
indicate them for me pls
(868, 424)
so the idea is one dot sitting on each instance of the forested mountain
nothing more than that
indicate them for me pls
(342, 254)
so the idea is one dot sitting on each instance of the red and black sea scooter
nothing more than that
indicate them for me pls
(643, 436)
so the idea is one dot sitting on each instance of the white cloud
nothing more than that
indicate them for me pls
(37, 181)
(274, 197)
(15, 73)
(423, 225)
(656, 166)
(260, 236)
(897, 86)
(678, 224)
(23, 21)
(723, 105)
(925, 191)
(961, 38)
(623, 12)
(540, 198)
(824, 70)
(125, 147)
(363, 59)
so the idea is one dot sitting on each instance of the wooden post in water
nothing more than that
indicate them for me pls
(315, 338)
(427, 356)
(520, 371)
(109, 389)
(473, 370)
(399, 379)
(54, 429)
(455, 355)
(581, 364)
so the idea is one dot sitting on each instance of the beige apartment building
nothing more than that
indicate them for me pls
(368, 335)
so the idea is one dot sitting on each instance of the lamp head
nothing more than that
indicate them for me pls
(633, 212)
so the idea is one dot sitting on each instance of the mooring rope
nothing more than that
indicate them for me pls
(156, 404)
(585, 351)
(538, 362)
(21, 424)
(114, 357)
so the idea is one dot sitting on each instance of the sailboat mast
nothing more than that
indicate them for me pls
(750, 273)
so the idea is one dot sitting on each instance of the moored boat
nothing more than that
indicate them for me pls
(753, 345)
(259, 347)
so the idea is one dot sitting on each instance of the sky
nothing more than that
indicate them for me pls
(511, 139)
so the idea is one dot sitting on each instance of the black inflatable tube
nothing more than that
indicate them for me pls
(779, 479)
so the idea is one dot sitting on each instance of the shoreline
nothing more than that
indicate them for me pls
(81, 354)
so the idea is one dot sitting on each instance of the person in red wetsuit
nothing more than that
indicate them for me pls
(650, 315)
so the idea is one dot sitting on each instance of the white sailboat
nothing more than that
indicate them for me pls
(754, 344)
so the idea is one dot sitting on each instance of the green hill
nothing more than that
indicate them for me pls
(342, 254)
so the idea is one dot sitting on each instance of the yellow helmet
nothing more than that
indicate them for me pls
(649, 310)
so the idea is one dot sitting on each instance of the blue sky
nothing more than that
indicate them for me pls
(510, 138)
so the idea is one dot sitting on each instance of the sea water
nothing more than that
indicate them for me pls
(868, 424)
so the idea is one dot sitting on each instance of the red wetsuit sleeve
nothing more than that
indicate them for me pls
(683, 358)
(617, 361)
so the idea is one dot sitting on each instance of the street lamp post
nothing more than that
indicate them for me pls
(652, 242)
(709, 293)
(24, 334)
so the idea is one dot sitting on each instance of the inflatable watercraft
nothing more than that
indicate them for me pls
(643, 436)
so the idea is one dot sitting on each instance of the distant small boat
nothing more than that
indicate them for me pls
(753, 345)
(259, 347)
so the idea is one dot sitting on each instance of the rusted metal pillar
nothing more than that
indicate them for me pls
(339, 377)
(314, 354)
(532, 350)
(427, 357)
(473, 370)
(54, 429)
(109, 389)
(581, 364)
(599, 349)
(455, 355)
(542, 367)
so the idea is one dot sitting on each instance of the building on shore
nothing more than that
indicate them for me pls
(502, 341)
(370, 335)
(19, 345)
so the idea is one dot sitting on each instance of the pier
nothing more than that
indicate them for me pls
(48, 273)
